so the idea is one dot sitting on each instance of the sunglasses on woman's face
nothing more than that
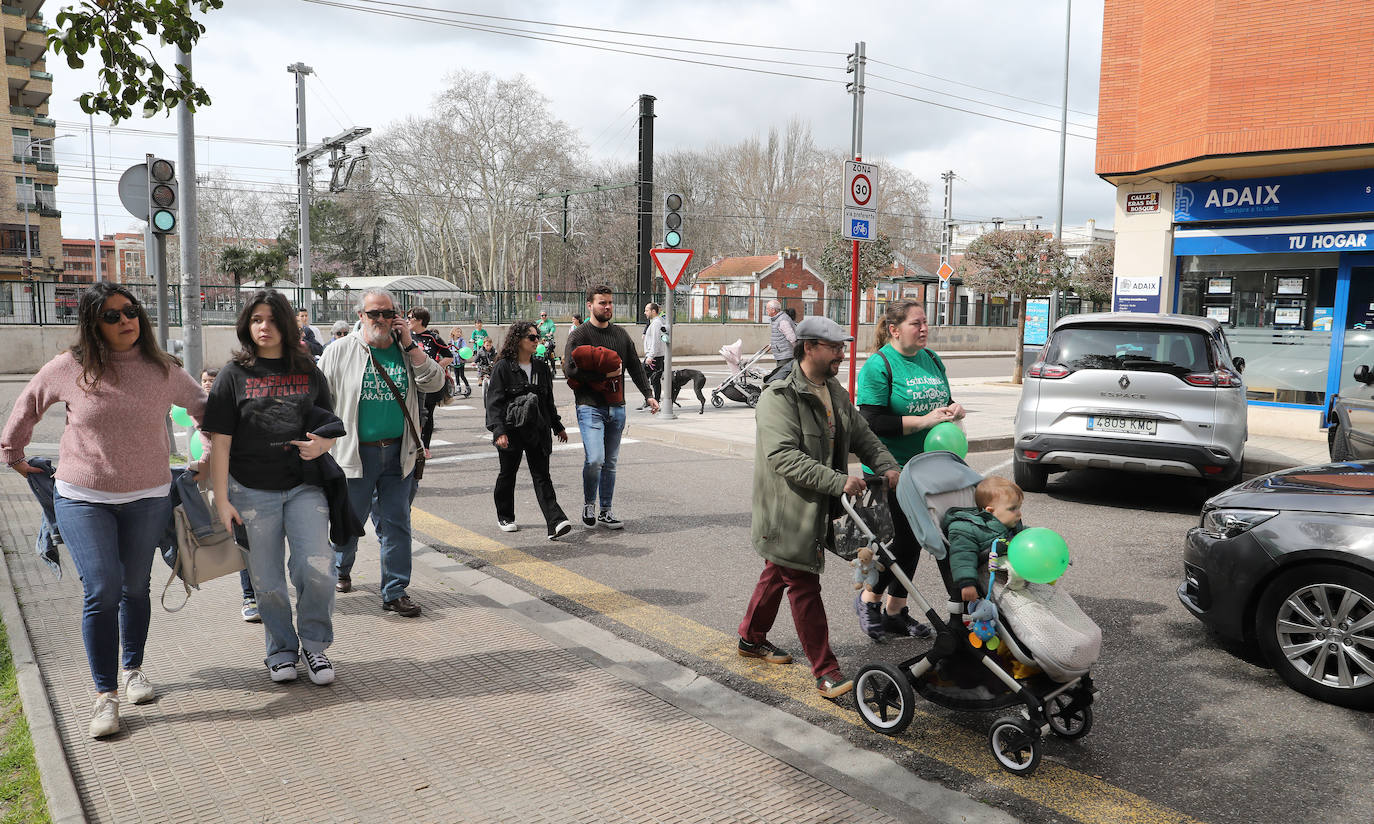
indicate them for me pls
(389, 314)
(111, 317)
(531, 337)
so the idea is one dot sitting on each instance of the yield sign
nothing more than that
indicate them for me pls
(671, 264)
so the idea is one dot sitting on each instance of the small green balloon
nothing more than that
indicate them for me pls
(180, 417)
(197, 448)
(948, 437)
(465, 353)
(540, 350)
(1039, 555)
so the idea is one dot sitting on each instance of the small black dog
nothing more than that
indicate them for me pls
(681, 377)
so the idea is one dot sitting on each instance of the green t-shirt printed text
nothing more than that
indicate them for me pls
(918, 387)
(379, 416)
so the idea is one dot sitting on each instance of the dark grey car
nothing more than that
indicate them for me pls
(1286, 561)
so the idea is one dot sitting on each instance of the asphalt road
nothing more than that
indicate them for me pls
(1188, 728)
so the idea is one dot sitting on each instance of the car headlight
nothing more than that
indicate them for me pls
(1228, 523)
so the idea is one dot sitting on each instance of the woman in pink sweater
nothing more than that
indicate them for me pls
(112, 477)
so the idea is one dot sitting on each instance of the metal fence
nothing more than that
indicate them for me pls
(50, 303)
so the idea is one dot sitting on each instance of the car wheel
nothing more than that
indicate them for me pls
(1339, 444)
(1030, 477)
(1316, 627)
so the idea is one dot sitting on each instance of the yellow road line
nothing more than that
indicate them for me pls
(1055, 787)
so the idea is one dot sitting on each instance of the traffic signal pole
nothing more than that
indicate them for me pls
(193, 355)
(858, 59)
(645, 268)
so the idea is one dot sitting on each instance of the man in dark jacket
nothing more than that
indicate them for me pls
(595, 358)
(807, 427)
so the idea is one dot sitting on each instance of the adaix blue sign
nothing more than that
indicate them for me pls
(1325, 193)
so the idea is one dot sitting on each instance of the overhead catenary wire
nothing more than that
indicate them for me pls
(1055, 119)
(980, 114)
(876, 61)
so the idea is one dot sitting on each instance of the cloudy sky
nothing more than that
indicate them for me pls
(1000, 58)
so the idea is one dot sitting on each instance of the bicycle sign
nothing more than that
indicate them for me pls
(860, 209)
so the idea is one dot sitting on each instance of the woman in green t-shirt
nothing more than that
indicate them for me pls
(902, 392)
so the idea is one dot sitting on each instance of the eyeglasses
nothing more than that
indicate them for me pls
(111, 317)
(836, 345)
(389, 314)
(531, 337)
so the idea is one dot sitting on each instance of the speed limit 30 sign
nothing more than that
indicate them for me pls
(860, 203)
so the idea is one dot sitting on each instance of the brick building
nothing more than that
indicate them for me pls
(1237, 135)
(30, 168)
(737, 288)
(78, 258)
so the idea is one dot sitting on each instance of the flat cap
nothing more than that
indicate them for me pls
(817, 327)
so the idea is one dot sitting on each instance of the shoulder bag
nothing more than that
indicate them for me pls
(201, 559)
(405, 413)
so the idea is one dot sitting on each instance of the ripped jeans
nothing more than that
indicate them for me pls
(273, 518)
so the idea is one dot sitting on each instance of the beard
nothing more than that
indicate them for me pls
(378, 336)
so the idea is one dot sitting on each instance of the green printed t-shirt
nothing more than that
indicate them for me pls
(547, 328)
(478, 335)
(918, 387)
(379, 416)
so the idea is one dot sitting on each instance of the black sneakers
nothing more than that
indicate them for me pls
(834, 685)
(560, 529)
(608, 520)
(903, 624)
(589, 515)
(764, 651)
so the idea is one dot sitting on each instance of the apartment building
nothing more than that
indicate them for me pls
(30, 224)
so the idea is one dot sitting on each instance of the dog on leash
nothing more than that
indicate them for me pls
(682, 377)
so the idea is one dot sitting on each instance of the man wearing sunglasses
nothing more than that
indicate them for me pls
(378, 453)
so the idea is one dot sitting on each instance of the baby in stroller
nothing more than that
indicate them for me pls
(1044, 645)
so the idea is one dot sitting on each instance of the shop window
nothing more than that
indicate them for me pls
(1277, 310)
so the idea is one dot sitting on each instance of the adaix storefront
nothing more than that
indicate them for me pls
(1286, 263)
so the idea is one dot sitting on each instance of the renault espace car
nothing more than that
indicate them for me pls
(1140, 392)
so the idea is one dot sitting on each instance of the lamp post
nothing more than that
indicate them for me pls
(28, 244)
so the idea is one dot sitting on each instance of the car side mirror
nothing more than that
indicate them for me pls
(1362, 374)
(1239, 363)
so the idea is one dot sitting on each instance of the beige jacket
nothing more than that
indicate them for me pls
(343, 364)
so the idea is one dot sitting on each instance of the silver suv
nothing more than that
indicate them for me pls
(1141, 392)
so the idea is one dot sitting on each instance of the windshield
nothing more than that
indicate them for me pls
(1133, 348)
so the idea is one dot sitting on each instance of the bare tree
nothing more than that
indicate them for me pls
(1093, 276)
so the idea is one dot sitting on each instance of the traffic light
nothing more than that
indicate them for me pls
(672, 221)
(162, 195)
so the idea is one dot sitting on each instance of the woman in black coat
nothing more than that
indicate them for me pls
(523, 419)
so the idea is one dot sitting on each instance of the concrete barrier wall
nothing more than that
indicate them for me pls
(26, 348)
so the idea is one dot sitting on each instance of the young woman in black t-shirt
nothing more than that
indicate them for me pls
(259, 416)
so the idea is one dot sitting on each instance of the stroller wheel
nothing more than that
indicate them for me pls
(1068, 718)
(886, 701)
(1015, 744)
(717, 401)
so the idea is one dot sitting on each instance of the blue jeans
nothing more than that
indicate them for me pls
(601, 427)
(112, 546)
(382, 478)
(272, 518)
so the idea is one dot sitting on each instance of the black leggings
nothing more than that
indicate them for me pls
(427, 427)
(904, 546)
(459, 377)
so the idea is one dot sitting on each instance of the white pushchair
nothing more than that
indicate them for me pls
(745, 383)
(1039, 626)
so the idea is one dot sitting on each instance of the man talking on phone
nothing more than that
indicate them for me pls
(378, 375)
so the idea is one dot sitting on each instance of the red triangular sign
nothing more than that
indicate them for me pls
(671, 264)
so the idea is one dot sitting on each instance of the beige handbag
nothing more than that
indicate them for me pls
(201, 559)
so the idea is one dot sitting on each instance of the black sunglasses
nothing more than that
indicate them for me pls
(531, 337)
(111, 317)
(389, 314)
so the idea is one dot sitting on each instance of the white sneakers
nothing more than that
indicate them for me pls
(282, 672)
(105, 718)
(135, 686)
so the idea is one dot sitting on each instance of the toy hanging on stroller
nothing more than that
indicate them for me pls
(1040, 626)
(745, 383)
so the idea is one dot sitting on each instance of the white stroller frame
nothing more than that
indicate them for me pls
(744, 384)
(880, 688)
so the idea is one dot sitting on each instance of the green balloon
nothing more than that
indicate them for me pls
(465, 353)
(948, 437)
(180, 417)
(540, 350)
(197, 448)
(1039, 555)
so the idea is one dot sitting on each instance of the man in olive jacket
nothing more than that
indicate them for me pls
(807, 427)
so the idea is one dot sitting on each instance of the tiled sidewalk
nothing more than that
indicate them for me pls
(461, 715)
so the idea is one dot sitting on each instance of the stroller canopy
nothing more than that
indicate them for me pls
(931, 483)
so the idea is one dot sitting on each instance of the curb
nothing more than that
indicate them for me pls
(828, 757)
(64, 804)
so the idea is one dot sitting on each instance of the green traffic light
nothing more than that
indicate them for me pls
(164, 221)
(672, 240)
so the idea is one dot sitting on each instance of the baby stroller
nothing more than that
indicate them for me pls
(1058, 639)
(745, 383)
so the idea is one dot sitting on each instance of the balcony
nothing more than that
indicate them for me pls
(45, 121)
(37, 27)
(15, 10)
(37, 75)
(46, 166)
(22, 111)
(15, 60)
